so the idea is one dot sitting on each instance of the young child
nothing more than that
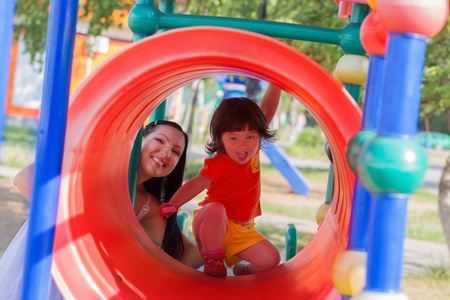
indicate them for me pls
(224, 226)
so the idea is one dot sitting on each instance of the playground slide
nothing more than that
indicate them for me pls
(291, 173)
(101, 251)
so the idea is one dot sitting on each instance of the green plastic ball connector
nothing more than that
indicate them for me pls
(350, 41)
(355, 146)
(391, 165)
(144, 19)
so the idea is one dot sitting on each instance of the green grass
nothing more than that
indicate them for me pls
(310, 173)
(193, 166)
(424, 196)
(18, 146)
(425, 225)
(315, 174)
(304, 212)
(19, 134)
(436, 157)
(278, 237)
(430, 284)
(309, 144)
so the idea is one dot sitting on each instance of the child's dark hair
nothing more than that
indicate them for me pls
(234, 114)
(163, 188)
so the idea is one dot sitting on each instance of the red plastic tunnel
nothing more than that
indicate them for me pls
(101, 251)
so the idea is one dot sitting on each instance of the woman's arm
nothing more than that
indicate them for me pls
(24, 181)
(269, 102)
(191, 256)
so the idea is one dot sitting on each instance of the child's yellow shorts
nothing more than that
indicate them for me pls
(237, 238)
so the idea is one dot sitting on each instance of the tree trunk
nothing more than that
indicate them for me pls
(444, 200)
(426, 120)
(444, 192)
(447, 118)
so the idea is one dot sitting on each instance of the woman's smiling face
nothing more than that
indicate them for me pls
(241, 146)
(161, 150)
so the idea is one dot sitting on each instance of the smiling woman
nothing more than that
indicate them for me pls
(160, 174)
(101, 251)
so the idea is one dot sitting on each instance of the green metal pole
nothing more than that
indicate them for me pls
(136, 151)
(166, 6)
(148, 19)
(354, 90)
(138, 36)
(134, 166)
(291, 241)
(359, 12)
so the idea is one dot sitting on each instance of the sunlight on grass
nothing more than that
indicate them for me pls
(309, 173)
(193, 167)
(425, 225)
(18, 146)
(303, 212)
(436, 157)
(422, 195)
(17, 155)
(278, 237)
(430, 284)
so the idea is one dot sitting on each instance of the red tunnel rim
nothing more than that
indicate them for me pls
(352, 124)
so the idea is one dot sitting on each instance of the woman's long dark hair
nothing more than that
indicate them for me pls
(163, 188)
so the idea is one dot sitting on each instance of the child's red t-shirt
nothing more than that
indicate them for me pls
(237, 187)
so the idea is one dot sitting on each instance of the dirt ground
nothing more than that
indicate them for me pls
(13, 212)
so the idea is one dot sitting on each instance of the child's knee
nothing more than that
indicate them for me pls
(276, 260)
(215, 209)
(273, 260)
(213, 214)
(268, 261)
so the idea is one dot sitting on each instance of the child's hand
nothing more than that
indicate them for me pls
(166, 210)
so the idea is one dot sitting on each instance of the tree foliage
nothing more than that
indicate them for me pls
(32, 20)
(32, 15)
(311, 13)
(436, 76)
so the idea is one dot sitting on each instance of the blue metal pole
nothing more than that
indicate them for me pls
(362, 200)
(385, 246)
(403, 83)
(393, 164)
(6, 29)
(50, 144)
(359, 220)
(372, 103)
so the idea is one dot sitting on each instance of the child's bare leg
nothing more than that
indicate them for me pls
(261, 256)
(210, 226)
